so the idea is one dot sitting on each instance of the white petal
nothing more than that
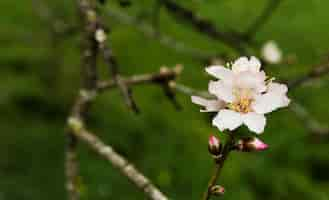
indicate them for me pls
(210, 105)
(220, 72)
(255, 122)
(251, 80)
(240, 65)
(254, 64)
(270, 101)
(222, 90)
(227, 119)
(277, 88)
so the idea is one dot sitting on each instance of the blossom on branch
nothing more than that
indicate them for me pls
(243, 95)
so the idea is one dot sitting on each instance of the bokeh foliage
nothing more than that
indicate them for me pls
(39, 77)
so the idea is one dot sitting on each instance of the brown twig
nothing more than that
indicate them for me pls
(161, 77)
(82, 103)
(117, 160)
(112, 64)
(76, 131)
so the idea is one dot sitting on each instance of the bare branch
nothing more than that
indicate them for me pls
(87, 93)
(117, 161)
(112, 64)
(162, 77)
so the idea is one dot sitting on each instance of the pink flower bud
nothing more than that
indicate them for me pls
(214, 145)
(217, 190)
(251, 144)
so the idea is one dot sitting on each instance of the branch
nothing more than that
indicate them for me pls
(112, 64)
(165, 78)
(204, 26)
(161, 77)
(117, 160)
(87, 93)
(76, 130)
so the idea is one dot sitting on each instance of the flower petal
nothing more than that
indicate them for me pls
(251, 80)
(240, 65)
(274, 98)
(255, 122)
(222, 90)
(210, 105)
(243, 64)
(227, 119)
(277, 88)
(220, 72)
(254, 64)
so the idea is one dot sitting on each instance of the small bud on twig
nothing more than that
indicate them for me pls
(214, 145)
(250, 144)
(217, 190)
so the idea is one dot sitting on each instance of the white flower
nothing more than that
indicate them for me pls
(243, 95)
(271, 52)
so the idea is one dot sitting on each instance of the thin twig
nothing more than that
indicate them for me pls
(161, 77)
(112, 64)
(82, 103)
(117, 161)
(76, 131)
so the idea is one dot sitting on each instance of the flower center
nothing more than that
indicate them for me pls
(242, 105)
(243, 101)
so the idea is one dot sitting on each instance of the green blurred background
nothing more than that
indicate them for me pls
(39, 78)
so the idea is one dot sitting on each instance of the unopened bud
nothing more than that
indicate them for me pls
(251, 144)
(217, 190)
(214, 145)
